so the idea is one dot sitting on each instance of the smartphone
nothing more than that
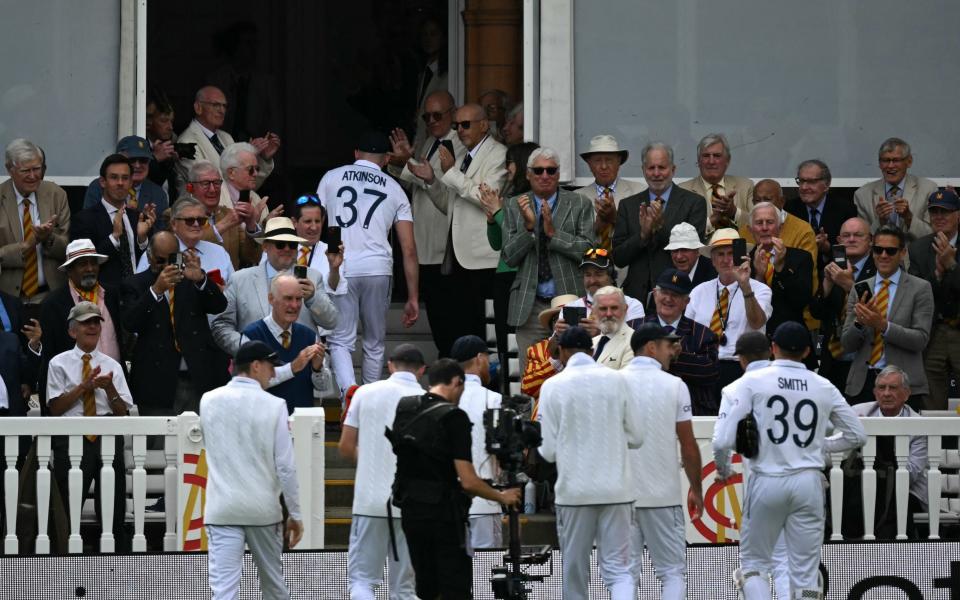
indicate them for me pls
(333, 240)
(572, 315)
(215, 277)
(861, 288)
(840, 256)
(176, 259)
(300, 271)
(448, 144)
(244, 196)
(739, 250)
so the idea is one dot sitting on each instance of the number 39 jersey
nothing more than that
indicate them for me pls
(792, 407)
(364, 202)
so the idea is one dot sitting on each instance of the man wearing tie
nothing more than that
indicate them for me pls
(604, 158)
(612, 347)
(142, 191)
(210, 109)
(728, 197)
(824, 214)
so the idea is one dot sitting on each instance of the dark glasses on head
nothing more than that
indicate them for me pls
(286, 245)
(436, 116)
(540, 170)
(193, 221)
(308, 199)
(878, 250)
(595, 252)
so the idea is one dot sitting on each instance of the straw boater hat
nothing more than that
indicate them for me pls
(81, 248)
(556, 305)
(280, 229)
(605, 143)
(722, 237)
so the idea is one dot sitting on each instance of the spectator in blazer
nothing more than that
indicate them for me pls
(696, 364)
(611, 348)
(604, 158)
(224, 226)
(31, 259)
(933, 257)
(118, 230)
(175, 360)
(794, 231)
(142, 190)
(546, 233)
(898, 198)
(728, 198)
(210, 109)
(892, 327)
(644, 221)
(19, 358)
(813, 205)
(239, 168)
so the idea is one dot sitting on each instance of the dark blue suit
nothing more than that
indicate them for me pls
(17, 364)
(150, 193)
(697, 363)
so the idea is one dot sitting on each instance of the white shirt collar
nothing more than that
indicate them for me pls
(205, 131)
(20, 197)
(474, 379)
(403, 375)
(274, 327)
(675, 324)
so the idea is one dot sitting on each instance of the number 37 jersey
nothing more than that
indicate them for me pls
(793, 408)
(364, 202)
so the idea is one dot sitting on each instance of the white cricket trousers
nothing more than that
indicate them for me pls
(792, 504)
(366, 301)
(611, 526)
(225, 559)
(661, 530)
(369, 547)
(486, 531)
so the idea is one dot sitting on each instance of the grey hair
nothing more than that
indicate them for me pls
(610, 290)
(201, 166)
(816, 162)
(713, 138)
(275, 284)
(753, 210)
(891, 144)
(183, 203)
(544, 152)
(895, 370)
(516, 110)
(230, 159)
(201, 95)
(20, 151)
(656, 146)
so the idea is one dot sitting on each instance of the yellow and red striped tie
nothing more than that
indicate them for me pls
(723, 307)
(768, 275)
(89, 400)
(606, 234)
(173, 322)
(304, 255)
(834, 345)
(31, 275)
(880, 305)
(132, 200)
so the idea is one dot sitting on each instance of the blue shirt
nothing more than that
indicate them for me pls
(5, 318)
(548, 288)
(665, 196)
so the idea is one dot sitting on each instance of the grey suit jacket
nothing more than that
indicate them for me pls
(910, 319)
(573, 220)
(51, 201)
(247, 302)
(205, 151)
(916, 191)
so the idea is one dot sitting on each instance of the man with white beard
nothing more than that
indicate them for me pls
(612, 347)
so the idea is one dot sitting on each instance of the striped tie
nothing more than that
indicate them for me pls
(304, 255)
(880, 305)
(132, 200)
(606, 234)
(31, 276)
(89, 400)
(768, 275)
(716, 323)
(285, 339)
(173, 323)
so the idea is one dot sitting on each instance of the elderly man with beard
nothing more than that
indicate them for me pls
(612, 347)
(224, 227)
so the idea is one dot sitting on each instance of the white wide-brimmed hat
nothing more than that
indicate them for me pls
(684, 236)
(605, 143)
(81, 248)
(280, 229)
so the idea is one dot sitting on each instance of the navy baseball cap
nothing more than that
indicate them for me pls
(373, 142)
(468, 347)
(134, 146)
(596, 257)
(576, 337)
(257, 350)
(944, 199)
(792, 336)
(675, 280)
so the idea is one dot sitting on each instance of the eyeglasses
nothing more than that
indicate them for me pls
(810, 181)
(540, 170)
(436, 116)
(308, 199)
(285, 245)
(889, 251)
(193, 221)
(251, 170)
(595, 252)
(213, 183)
(893, 160)
(463, 124)
(215, 105)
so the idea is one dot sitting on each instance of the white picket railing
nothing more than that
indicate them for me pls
(183, 444)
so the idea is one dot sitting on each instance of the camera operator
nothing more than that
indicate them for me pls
(432, 440)
(486, 526)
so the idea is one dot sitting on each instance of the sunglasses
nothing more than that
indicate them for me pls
(193, 221)
(540, 170)
(462, 124)
(889, 251)
(595, 252)
(308, 199)
(251, 170)
(436, 116)
(286, 245)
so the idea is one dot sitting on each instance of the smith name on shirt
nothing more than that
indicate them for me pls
(797, 385)
(364, 176)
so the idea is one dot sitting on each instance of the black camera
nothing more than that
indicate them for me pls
(510, 432)
(185, 150)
